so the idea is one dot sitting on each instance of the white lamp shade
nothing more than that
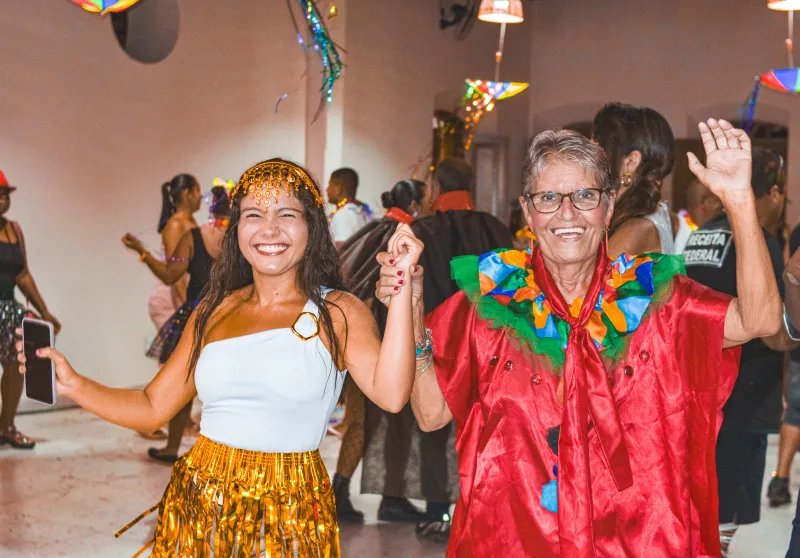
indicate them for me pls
(784, 5)
(501, 11)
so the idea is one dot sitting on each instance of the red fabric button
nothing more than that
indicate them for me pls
(509, 365)
(628, 371)
(644, 356)
(493, 361)
(536, 379)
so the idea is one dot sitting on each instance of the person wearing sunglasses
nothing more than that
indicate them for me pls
(587, 392)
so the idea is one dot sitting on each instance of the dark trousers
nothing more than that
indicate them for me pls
(435, 478)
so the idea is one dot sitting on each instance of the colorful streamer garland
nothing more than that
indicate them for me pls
(502, 285)
(322, 43)
(105, 6)
(480, 97)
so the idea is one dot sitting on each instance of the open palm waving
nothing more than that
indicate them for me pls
(728, 160)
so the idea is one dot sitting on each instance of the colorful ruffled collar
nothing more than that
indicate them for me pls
(502, 285)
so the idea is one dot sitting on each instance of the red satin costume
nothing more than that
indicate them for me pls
(636, 450)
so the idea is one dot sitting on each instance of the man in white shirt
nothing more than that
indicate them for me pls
(350, 214)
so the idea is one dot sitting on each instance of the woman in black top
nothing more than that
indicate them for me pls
(194, 254)
(14, 273)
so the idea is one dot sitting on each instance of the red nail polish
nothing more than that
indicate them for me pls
(397, 288)
(391, 262)
(399, 273)
(402, 282)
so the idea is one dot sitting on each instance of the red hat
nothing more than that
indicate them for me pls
(4, 183)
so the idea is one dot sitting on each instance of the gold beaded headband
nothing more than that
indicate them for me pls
(266, 180)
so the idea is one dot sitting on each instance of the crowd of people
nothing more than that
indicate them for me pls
(534, 373)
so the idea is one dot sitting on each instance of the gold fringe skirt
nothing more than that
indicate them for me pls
(227, 502)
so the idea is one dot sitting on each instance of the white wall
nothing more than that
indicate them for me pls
(89, 135)
(688, 59)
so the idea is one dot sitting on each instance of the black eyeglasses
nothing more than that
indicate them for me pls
(584, 199)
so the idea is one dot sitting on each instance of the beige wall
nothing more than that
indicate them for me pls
(89, 136)
(688, 59)
(399, 63)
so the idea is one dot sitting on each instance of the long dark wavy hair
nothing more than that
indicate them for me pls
(621, 129)
(318, 269)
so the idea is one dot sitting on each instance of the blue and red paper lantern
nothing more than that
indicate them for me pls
(786, 80)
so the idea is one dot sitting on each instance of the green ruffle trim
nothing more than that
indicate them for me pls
(464, 270)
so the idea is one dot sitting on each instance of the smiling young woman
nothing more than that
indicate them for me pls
(266, 351)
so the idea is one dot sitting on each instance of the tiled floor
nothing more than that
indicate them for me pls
(87, 478)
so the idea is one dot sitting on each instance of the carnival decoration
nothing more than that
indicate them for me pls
(320, 42)
(105, 6)
(784, 80)
(480, 98)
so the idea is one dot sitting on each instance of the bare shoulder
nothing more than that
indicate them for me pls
(225, 309)
(345, 303)
(634, 236)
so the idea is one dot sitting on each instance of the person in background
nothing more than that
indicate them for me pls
(519, 228)
(350, 214)
(754, 407)
(180, 200)
(701, 204)
(194, 255)
(455, 228)
(640, 148)
(403, 203)
(789, 440)
(14, 272)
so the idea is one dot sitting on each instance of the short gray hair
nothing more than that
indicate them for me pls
(569, 147)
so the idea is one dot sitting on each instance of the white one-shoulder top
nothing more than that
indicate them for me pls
(270, 391)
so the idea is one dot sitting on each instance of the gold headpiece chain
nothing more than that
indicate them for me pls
(266, 180)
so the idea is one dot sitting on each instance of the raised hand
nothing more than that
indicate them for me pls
(133, 243)
(66, 377)
(399, 266)
(405, 247)
(728, 160)
(392, 279)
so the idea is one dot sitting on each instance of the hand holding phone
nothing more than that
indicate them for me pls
(67, 381)
(40, 374)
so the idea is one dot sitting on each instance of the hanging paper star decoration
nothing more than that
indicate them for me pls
(480, 97)
(105, 6)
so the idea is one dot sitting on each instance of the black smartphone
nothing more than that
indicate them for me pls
(40, 375)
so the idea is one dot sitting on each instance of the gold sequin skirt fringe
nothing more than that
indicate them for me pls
(227, 502)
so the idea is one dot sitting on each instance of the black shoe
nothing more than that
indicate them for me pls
(436, 530)
(344, 507)
(15, 439)
(399, 510)
(778, 492)
(156, 454)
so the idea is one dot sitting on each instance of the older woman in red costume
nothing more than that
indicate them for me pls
(587, 393)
